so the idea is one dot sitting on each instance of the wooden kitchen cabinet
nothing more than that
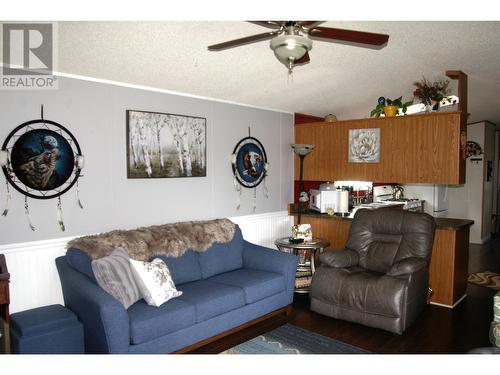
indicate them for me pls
(448, 270)
(332, 228)
(413, 149)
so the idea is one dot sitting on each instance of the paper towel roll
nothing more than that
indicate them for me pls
(336, 201)
(344, 201)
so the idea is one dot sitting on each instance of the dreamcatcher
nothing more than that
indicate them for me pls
(250, 168)
(41, 159)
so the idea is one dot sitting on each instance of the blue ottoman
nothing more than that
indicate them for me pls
(46, 330)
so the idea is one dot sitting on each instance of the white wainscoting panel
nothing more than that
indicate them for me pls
(264, 229)
(34, 280)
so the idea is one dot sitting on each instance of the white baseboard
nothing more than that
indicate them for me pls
(450, 306)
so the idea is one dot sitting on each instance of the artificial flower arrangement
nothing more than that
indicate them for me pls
(431, 94)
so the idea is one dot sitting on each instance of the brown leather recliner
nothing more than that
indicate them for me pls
(381, 277)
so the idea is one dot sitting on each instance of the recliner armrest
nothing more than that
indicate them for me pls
(407, 266)
(340, 259)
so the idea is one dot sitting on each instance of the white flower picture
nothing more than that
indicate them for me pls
(364, 145)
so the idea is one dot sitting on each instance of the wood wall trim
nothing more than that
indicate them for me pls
(462, 107)
(301, 118)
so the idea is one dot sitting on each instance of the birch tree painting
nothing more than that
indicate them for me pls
(165, 145)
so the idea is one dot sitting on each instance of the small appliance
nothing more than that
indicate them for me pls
(329, 197)
(320, 200)
(393, 195)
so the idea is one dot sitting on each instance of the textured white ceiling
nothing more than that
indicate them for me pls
(340, 79)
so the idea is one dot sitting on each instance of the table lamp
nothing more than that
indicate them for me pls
(301, 150)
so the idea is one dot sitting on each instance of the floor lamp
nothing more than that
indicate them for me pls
(301, 150)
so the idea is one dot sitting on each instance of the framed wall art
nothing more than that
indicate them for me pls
(41, 159)
(364, 145)
(250, 167)
(250, 162)
(42, 155)
(165, 145)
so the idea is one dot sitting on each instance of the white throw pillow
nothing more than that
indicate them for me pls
(154, 281)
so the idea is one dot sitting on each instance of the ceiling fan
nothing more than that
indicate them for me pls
(290, 45)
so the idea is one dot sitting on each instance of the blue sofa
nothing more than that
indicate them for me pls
(226, 286)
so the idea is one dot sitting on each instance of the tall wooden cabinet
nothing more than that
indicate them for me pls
(424, 148)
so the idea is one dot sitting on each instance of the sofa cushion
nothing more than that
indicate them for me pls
(81, 262)
(210, 298)
(223, 257)
(256, 284)
(148, 322)
(185, 268)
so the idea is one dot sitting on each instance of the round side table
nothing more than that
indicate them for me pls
(306, 251)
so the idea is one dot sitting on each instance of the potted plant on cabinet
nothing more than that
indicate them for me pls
(390, 107)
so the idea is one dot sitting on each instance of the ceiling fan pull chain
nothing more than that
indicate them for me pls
(289, 74)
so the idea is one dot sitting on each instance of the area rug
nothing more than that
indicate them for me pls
(487, 279)
(289, 339)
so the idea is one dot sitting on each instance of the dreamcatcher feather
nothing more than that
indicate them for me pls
(8, 197)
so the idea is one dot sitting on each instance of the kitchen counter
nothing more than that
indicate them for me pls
(452, 224)
(312, 213)
(441, 222)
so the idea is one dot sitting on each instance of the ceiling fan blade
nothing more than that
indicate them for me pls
(349, 35)
(310, 24)
(303, 60)
(270, 24)
(241, 41)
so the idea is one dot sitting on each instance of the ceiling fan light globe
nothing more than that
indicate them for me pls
(290, 47)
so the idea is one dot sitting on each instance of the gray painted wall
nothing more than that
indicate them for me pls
(95, 113)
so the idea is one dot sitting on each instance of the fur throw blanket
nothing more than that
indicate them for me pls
(147, 242)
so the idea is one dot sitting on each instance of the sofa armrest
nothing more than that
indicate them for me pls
(407, 266)
(339, 259)
(105, 320)
(265, 259)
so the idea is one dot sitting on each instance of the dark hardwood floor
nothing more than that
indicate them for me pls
(438, 330)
